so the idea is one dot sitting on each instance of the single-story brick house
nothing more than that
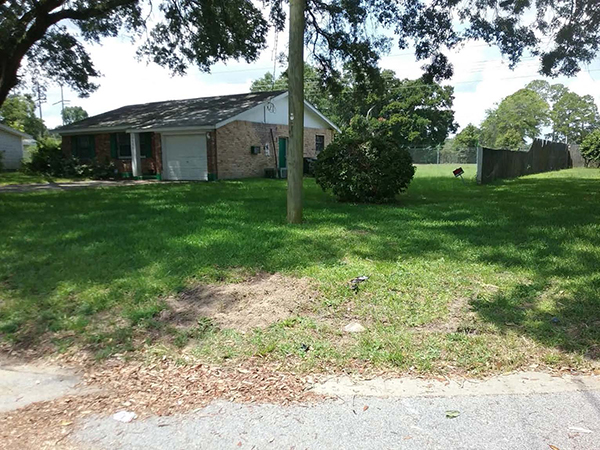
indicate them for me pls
(13, 146)
(208, 138)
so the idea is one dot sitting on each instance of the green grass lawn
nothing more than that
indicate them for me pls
(22, 178)
(463, 277)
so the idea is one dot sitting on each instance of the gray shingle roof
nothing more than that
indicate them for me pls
(194, 112)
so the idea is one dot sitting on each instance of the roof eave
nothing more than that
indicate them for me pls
(234, 117)
(15, 132)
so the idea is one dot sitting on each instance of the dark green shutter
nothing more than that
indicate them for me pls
(146, 145)
(114, 153)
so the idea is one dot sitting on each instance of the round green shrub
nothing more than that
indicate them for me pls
(364, 165)
(47, 159)
(590, 148)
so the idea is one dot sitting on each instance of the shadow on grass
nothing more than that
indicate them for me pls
(68, 256)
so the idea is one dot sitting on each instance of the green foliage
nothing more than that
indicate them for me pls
(269, 83)
(467, 138)
(204, 33)
(590, 148)
(188, 32)
(364, 164)
(18, 112)
(463, 147)
(518, 117)
(549, 92)
(466, 142)
(315, 92)
(350, 34)
(72, 114)
(572, 116)
(47, 159)
(418, 113)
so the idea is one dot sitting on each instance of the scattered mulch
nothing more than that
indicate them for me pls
(256, 302)
(162, 388)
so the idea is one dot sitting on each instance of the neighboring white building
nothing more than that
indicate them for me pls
(12, 145)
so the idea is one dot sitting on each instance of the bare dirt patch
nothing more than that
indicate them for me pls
(256, 302)
(460, 318)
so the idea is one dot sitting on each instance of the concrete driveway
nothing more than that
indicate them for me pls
(22, 383)
(67, 186)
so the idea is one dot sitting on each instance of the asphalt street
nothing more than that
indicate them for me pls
(564, 420)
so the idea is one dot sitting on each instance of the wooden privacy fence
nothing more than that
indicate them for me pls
(543, 156)
(578, 160)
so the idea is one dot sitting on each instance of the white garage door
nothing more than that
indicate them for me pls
(185, 157)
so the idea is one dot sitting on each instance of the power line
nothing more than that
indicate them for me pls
(462, 82)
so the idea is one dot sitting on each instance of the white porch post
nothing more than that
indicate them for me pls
(136, 159)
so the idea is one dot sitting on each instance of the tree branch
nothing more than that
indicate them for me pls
(88, 13)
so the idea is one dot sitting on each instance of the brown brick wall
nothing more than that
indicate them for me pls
(228, 149)
(233, 142)
(211, 154)
(309, 140)
(102, 143)
(103, 148)
(66, 145)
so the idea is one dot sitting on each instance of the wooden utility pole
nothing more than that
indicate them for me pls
(296, 112)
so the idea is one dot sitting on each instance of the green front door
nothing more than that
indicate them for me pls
(282, 152)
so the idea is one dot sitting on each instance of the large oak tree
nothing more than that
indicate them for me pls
(50, 34)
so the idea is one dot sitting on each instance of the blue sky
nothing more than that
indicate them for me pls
(482, 78)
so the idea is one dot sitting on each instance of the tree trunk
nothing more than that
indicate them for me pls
(8, 79)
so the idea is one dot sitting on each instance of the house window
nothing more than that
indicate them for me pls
(319, 143)
(146, 145)
(120, 145)
(123, 146)
(83, 146)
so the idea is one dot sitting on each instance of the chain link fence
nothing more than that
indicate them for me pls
(440, 155)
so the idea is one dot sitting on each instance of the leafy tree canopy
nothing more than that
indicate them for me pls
(18, 112)
(419, 113)
(269, 83)
(572, 116)
(416, 112)
(49, 34)
(464, 145)
(315, 92)
(467, 138)
(72, 114)
(590, 148)
(518, 117)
